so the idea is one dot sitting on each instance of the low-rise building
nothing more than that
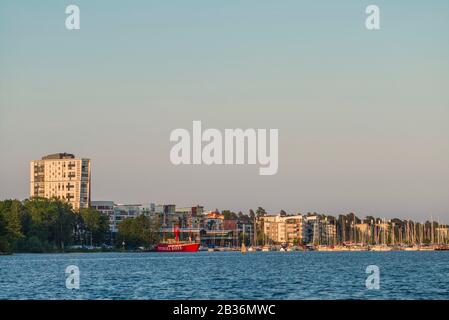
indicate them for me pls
(106, 208)
(280, 229)
(119, 212)
(213, 220)
(192, 217)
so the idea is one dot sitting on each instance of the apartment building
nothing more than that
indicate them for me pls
(119, 212)
(328, 232)
(283, 228)
(312, 229)
(319, 230)
(191, 216)
(61, 176)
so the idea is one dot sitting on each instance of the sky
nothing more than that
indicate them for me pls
(362, 115)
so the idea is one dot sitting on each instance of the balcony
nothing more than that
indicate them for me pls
(69, 196)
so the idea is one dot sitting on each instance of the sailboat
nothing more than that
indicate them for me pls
(383, 246)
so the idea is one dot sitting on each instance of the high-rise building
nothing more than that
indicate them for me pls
(62, 176)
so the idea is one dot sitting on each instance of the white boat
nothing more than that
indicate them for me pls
(380, 248)
(426, 248)
(323, 248)
(412, 248)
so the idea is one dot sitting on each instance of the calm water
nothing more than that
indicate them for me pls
(226, 275)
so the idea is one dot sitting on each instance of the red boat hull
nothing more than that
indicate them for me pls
(177, 247)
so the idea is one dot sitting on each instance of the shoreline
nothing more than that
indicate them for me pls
(222, 251)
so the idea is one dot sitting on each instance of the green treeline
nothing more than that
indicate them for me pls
(50, 225)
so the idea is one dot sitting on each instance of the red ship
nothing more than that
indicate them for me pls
(176, 245)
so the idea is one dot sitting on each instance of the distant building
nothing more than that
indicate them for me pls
(312, 229)
(230, 224)
(165, 208)
(191, 216)
(62, 176)
(123, 211)
(328, 232)
(168, 214)
(213, 220)
(119, 212)
(281, 229)
(106, 208)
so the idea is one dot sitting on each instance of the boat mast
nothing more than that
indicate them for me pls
(431, 230)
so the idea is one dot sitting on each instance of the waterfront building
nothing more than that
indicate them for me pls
(328, 232)
(218, 231)
(311, 229)
(293, 229)
(283, 229)
(167, 212)
(148, 209)
(213, 220)
(61, 176)
(119, 212)
(165, 208)
(124, 211)
(230, 224)
(192, 217)
(106, 208)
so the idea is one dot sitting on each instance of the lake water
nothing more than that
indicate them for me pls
(226, 275)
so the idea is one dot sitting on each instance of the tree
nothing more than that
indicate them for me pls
(243, 217)
(4, 243)
(11, 212)
(139, 231)
(96, 224)
(62, 220)
(260, 236)
(50, 222)
(229, 215)
(252, 215)
(260, 212)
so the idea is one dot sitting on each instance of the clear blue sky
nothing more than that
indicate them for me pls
(362, 116)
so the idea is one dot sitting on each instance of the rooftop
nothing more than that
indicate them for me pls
(56, 156)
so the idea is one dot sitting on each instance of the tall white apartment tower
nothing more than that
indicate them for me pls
(62, 176)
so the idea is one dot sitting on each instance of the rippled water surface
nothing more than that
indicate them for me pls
(226, 275)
